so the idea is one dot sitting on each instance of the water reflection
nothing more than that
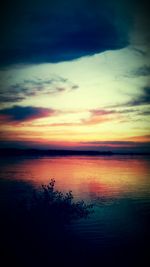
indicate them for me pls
(119, 188)
(87, 177)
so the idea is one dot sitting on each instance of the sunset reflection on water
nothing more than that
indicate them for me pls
(87, 177)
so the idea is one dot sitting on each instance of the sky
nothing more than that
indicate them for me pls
(75, 75)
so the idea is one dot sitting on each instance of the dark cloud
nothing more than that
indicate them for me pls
(53, 31)
(143, 99)
(6, 98)
(139, 51)
(142, 71)
(110, 143)
(114, 146)
(32, 87)
(75, 86)
(144, 113)
(18, 114)
(126, 111)
(117, 146)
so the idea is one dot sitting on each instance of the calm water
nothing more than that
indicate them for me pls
(118, 186)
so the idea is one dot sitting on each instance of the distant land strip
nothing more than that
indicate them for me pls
(4, 152)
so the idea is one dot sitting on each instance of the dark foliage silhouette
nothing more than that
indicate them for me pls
(33, 228)
(37, 230)
(57, 207)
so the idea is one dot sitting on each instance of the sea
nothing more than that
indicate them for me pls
(117, 186)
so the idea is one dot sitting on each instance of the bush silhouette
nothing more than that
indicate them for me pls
(54, 206)
(33, 229)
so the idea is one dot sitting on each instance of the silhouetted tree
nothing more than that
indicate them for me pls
(33, 228)
(57, 207)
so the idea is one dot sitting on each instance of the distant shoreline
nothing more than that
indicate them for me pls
(4, 152)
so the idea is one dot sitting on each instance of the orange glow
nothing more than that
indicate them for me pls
(144, 138)
(87, 176)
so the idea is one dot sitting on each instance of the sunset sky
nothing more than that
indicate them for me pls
(75, 75)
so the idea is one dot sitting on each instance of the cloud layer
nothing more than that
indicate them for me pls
(17, 92)
(53, 31)
(143, 99)
(18, 114)
(40, 102)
